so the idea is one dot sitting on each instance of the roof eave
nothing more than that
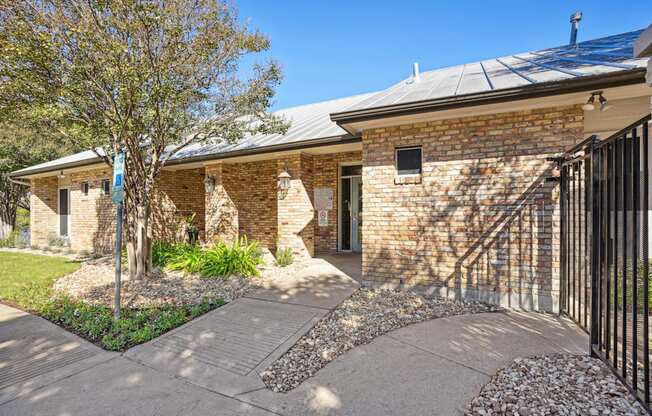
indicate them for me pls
(324, 141)
(544, 89)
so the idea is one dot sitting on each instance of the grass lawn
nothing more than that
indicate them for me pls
(21, 274)
(26, 282)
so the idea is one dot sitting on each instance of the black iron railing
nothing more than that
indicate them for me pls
(605, 264)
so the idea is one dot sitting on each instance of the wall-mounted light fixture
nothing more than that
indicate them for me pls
(209, 184)
(61, 175)
(590, 103)
(284, 180)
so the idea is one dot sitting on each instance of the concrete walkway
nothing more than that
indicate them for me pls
(211, 365)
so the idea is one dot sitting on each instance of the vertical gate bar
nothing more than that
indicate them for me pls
(581, 213)
(587, 249)
(645, 259)
(571, 240)
(615, 159)
(562, 262)
(601, 252)
(574, 247)
(635, 235)
(624, 260)
(568, 278)
(607, 275)
(595, 232)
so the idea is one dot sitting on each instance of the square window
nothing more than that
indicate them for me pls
(408, 160)
(84, 188)
(106, 187)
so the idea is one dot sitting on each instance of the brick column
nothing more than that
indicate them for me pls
(295, 209)
(43, 210)
(221, 211)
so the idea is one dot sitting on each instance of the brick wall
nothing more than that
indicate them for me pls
(326, 168)
(92, 222)
(482, 222)
(92, 228)
(43, 209)
(180, 193)
(296, 216)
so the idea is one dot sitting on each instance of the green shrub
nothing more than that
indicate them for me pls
(186, 257)
(641, 281)
(222, 259)
(10, 240)
(135, 326)
(284, 256)
(57, 241)
(241, 257)
(162, 252)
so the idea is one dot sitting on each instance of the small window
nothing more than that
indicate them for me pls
(84, 188)
(408, 161)
(106, 187)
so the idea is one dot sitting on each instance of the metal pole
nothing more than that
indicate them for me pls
(118, 260)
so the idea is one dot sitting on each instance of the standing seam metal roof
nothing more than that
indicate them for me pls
(593, 57)
(313, 121)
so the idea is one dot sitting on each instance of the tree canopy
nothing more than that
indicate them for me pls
(146, 77)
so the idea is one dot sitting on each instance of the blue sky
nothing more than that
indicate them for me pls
(332, 49)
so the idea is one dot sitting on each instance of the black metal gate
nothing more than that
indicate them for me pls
(605, 264)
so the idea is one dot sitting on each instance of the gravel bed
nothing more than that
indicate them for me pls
(367, 314)
(94, 283)
(559, 384)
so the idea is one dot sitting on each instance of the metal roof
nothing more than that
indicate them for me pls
(311, 123)
(593, 57)
(307, 123)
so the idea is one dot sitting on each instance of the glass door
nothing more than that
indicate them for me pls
(350, 207)
(356, 214)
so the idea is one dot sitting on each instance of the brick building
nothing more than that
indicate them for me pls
(440, 181)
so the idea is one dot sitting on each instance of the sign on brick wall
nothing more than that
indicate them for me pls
(323, 199)
(322, 218)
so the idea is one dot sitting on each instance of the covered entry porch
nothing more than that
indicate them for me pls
(308, 202)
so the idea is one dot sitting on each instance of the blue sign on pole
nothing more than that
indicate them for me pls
(118, 193)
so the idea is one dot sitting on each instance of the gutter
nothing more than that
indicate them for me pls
(16, 181)
(544, 89)
(326, 141)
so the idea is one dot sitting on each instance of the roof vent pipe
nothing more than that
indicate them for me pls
(415, 72)
(575, 22)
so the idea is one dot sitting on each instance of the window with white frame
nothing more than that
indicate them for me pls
(408, 160)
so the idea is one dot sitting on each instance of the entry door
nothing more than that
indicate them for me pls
(356, 214)
(64, 212)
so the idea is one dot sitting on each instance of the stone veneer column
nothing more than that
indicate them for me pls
(221, 211)
(295, 207)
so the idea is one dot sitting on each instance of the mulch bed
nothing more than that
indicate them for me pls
(94, 284)
(558, 384)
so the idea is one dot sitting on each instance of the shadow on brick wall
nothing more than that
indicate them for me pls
(104, 237)
(501, 250)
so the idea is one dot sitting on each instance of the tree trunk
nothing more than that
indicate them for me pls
(131, 257)
(143, 246)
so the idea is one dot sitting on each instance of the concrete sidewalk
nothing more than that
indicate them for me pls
(226, 350)
(211, 365)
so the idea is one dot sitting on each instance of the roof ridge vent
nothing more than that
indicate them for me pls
(575, 23)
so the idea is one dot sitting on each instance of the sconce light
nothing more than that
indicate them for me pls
(61, 175)
(284, 180)
(209, 184)
(590, 103)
